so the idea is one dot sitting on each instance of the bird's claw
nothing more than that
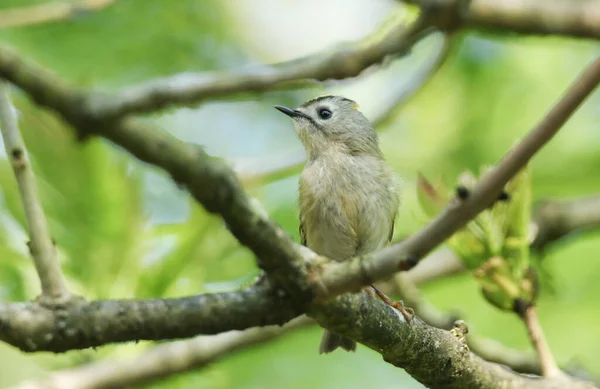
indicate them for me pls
(407, 312)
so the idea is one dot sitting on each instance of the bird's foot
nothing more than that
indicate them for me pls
(407, 312)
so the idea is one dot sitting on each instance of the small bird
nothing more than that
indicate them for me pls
(348, 194)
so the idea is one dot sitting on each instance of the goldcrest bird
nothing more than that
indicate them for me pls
(348, 193)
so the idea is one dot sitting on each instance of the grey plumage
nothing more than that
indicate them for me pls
(348, 193)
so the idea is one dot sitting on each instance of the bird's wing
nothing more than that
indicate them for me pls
(392, 229)
(302, 235)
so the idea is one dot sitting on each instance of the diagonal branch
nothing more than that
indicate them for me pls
(41, 246)
(434, 357)
(348, 60)
(553, 221)
(488, 349)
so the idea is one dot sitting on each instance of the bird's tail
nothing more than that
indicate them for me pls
(330, 341)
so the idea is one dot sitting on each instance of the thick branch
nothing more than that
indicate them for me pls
(538, 17)
(432, 356)
(41, 246)
(79, 324)
(488, 349)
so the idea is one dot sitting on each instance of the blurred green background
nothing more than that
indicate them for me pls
(124, 230)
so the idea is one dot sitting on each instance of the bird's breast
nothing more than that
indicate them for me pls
(345, 211)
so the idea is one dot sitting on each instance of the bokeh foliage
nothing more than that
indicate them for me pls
(102, 204)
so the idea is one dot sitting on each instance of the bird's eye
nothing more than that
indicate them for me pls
(324, 113)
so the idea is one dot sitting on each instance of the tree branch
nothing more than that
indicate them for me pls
(488, 349)
(78, 324)
(347, 60)
(434, 357)
(181, 356)
(538, 17)
(41, 246)
(553, 220)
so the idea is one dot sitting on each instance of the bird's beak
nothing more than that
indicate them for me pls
(293, 113)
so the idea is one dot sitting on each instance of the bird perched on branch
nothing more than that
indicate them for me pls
(348, 193)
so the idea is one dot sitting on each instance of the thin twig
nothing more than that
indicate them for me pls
(536, 334)
(41, 245)
(340, 277)
(345, 61)
(48, 12)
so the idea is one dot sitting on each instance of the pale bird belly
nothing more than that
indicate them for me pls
(331, 233)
